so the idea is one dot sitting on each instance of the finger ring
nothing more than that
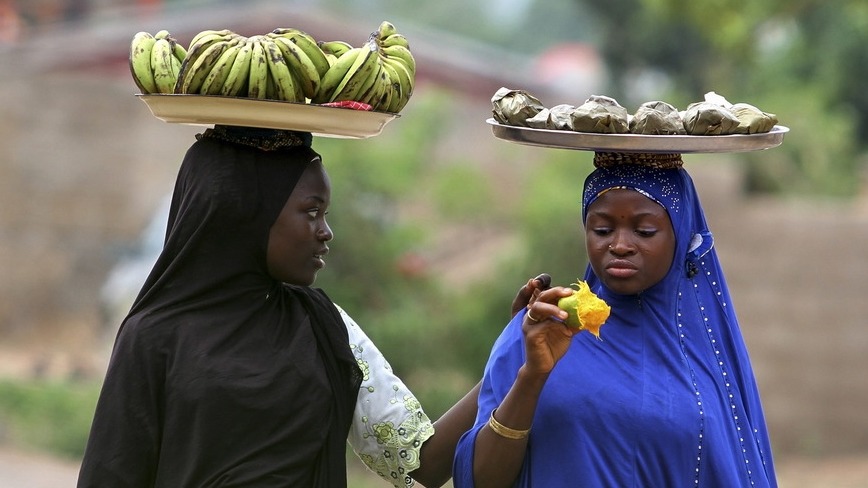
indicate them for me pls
(531, 316)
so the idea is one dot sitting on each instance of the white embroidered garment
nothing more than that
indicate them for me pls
(389, 425)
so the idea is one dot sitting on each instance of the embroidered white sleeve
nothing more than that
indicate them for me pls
(389, 425)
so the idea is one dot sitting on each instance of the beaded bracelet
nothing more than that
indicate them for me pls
(505, 431)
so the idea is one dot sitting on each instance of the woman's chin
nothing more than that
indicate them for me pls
(622, 288)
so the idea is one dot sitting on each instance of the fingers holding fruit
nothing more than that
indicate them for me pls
(546, 338)
(543, 305)
(553, 317)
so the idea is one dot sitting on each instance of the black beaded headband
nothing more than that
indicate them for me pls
(264, 139)
(654, 160)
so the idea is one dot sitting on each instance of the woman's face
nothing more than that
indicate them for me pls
(297, 239)
(630, 241)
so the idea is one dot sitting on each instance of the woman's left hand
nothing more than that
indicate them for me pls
(529, 292)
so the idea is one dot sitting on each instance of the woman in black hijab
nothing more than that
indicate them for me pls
(230, 370)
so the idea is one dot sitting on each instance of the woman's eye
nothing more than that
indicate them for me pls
(646, 232)
(316, 213)
(601, 231)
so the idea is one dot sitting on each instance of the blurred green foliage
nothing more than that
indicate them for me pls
(47, 415)
(803, 60)
(391, 200)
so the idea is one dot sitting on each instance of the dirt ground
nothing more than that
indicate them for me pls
(20, 469)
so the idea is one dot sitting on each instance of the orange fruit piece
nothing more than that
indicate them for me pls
(586, 310)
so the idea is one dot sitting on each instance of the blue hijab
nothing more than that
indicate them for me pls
(667, 397)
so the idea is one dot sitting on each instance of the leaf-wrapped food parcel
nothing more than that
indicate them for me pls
(514, 107)
(656, 118)
(752, 120)
(600, 114)
(709, 119)
(721, 100)
(557, 118)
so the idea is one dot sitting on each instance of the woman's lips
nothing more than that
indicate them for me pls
(620, 268)
(319, 258)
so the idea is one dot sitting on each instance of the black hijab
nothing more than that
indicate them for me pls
(220, 375)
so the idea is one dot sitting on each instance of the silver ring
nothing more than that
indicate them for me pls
(531, 316)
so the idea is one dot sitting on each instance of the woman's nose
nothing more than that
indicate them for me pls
(620, 245)
(324, 233)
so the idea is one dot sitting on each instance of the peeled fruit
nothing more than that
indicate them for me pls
(587, 311)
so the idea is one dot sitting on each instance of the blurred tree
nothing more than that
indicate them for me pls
(770, 54)
(803, 60)
(526, 26)
(551, 216)
(394, 196)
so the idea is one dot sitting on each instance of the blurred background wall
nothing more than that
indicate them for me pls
(85, 169)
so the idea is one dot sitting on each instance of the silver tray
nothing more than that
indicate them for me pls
(638, 143)
(319, 120)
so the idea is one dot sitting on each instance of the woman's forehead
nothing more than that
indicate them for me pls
(313, 181)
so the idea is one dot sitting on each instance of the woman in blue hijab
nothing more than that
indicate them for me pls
(666, 397)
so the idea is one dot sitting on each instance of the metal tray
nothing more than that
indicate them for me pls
(638, 143)
(272, 114)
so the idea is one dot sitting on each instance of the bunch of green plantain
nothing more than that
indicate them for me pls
(381, 73)
(286, 64)
(155, 61)
(277, 66)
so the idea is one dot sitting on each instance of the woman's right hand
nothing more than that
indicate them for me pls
(498, 458)
(546, 336)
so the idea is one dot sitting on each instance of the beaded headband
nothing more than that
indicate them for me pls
(654, 160)
(264, 139)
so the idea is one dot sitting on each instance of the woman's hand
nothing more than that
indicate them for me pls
(529, 291)
(546, 337)
(497, 458)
